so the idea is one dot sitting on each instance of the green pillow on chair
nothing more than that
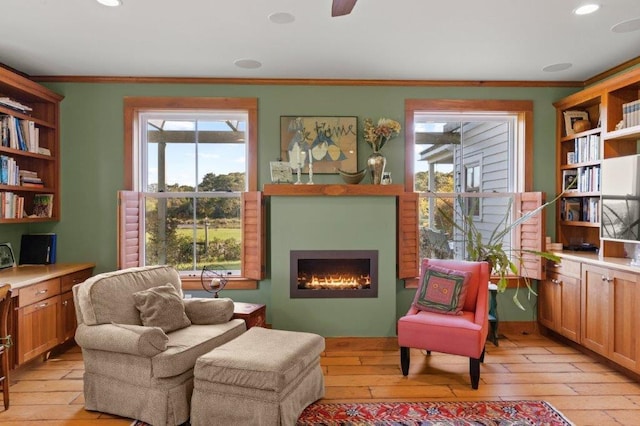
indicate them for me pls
(442, 290)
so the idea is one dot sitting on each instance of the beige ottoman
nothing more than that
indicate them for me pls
(262, 377)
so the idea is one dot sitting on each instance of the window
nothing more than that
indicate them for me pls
(477, 150)
(190, 161)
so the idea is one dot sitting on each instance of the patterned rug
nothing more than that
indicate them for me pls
(446, 413)
(485, 413)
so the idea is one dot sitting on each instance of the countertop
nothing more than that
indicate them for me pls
(24, 275)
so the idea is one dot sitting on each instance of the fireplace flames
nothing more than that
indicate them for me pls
(334, 282)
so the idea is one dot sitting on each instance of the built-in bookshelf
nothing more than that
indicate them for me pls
(612, 131)
(29, 150)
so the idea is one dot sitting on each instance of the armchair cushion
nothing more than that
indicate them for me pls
(208, 311)
(442, 290)
(162, 307)
(123, 338)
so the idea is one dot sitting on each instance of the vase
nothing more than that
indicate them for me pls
(376, 163)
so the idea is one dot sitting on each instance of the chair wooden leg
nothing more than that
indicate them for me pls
(5, 380)
(474, 372)
(405, 359)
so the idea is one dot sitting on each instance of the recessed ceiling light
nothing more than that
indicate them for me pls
(627, 26)
(557, 67)
(282, 18)
(110, 3)
(247, 63)
(586, 9)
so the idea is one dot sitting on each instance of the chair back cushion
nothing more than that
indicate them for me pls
(441, 290)
(478, 270)
(108, 297)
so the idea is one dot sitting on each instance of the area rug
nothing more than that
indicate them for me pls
(446, 413)
(454, 413)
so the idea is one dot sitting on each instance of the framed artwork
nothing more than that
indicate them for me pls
(7, 259)
(329, 142)
(281, 172)
(571, 117)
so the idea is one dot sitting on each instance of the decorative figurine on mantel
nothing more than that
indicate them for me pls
(296, 159)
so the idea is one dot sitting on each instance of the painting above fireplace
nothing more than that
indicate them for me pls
(333, 273)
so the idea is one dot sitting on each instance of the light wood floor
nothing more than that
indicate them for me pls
(367, 369)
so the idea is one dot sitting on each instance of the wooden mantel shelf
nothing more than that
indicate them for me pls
(279, 189)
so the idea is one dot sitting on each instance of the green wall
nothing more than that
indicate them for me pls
(92, 154)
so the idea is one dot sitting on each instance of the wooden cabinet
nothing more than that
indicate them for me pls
(594, 302)
(611, 321)
(37, 328)
(595, 309)
(580, 155)
(43, 118)
(68, 320)
(559, 299)
(44, 314)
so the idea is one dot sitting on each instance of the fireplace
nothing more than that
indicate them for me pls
(333, 273)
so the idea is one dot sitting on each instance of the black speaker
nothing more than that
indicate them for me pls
(38, 249)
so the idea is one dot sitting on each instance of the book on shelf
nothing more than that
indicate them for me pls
(13, 104)
(631, 114)
(19, 134)
(570, 180)
(42, 205)
(9, 171)
(11, 206)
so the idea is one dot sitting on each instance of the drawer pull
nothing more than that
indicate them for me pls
(42, 305)
(42, 291)
(65, 303)
(555, 281)
(557, 265)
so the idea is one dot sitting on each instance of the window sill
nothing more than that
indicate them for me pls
(194, 283)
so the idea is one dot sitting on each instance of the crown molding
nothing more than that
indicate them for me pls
(335, 82)
(302, 81)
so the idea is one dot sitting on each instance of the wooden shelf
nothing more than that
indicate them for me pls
(45, 111)
(332, 190)
(604, 104)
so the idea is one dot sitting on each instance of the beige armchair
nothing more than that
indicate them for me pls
(136, 364)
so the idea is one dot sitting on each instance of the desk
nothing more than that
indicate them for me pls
(253, 314)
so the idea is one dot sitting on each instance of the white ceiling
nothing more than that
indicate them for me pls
(401, 39)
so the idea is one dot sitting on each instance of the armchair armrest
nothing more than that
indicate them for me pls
(122, 338)
(208, 311)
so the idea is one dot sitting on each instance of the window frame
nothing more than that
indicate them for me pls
(134, 106)
(523, 110)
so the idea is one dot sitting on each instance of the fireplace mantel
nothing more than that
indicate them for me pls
(279, 189)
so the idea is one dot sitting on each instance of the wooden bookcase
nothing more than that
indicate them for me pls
(603, 103)
(45, 106)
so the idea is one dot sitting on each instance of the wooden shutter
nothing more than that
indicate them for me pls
(408, 236)
(530, 235)
(253, 236)
(130, 233)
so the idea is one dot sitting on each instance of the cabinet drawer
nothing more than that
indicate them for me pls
(566, 267)
(37, 292)
(561, 279)
(68, 281)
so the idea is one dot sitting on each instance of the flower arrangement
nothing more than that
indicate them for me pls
(379, 134)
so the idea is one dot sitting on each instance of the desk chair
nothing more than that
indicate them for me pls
(5, 341)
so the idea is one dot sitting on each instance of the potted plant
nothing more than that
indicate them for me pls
(489, 247)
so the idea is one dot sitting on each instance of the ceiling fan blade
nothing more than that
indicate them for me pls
(342, 7)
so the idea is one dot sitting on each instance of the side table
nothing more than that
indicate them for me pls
(253, 314)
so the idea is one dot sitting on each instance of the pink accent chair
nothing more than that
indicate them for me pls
(463, 335)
